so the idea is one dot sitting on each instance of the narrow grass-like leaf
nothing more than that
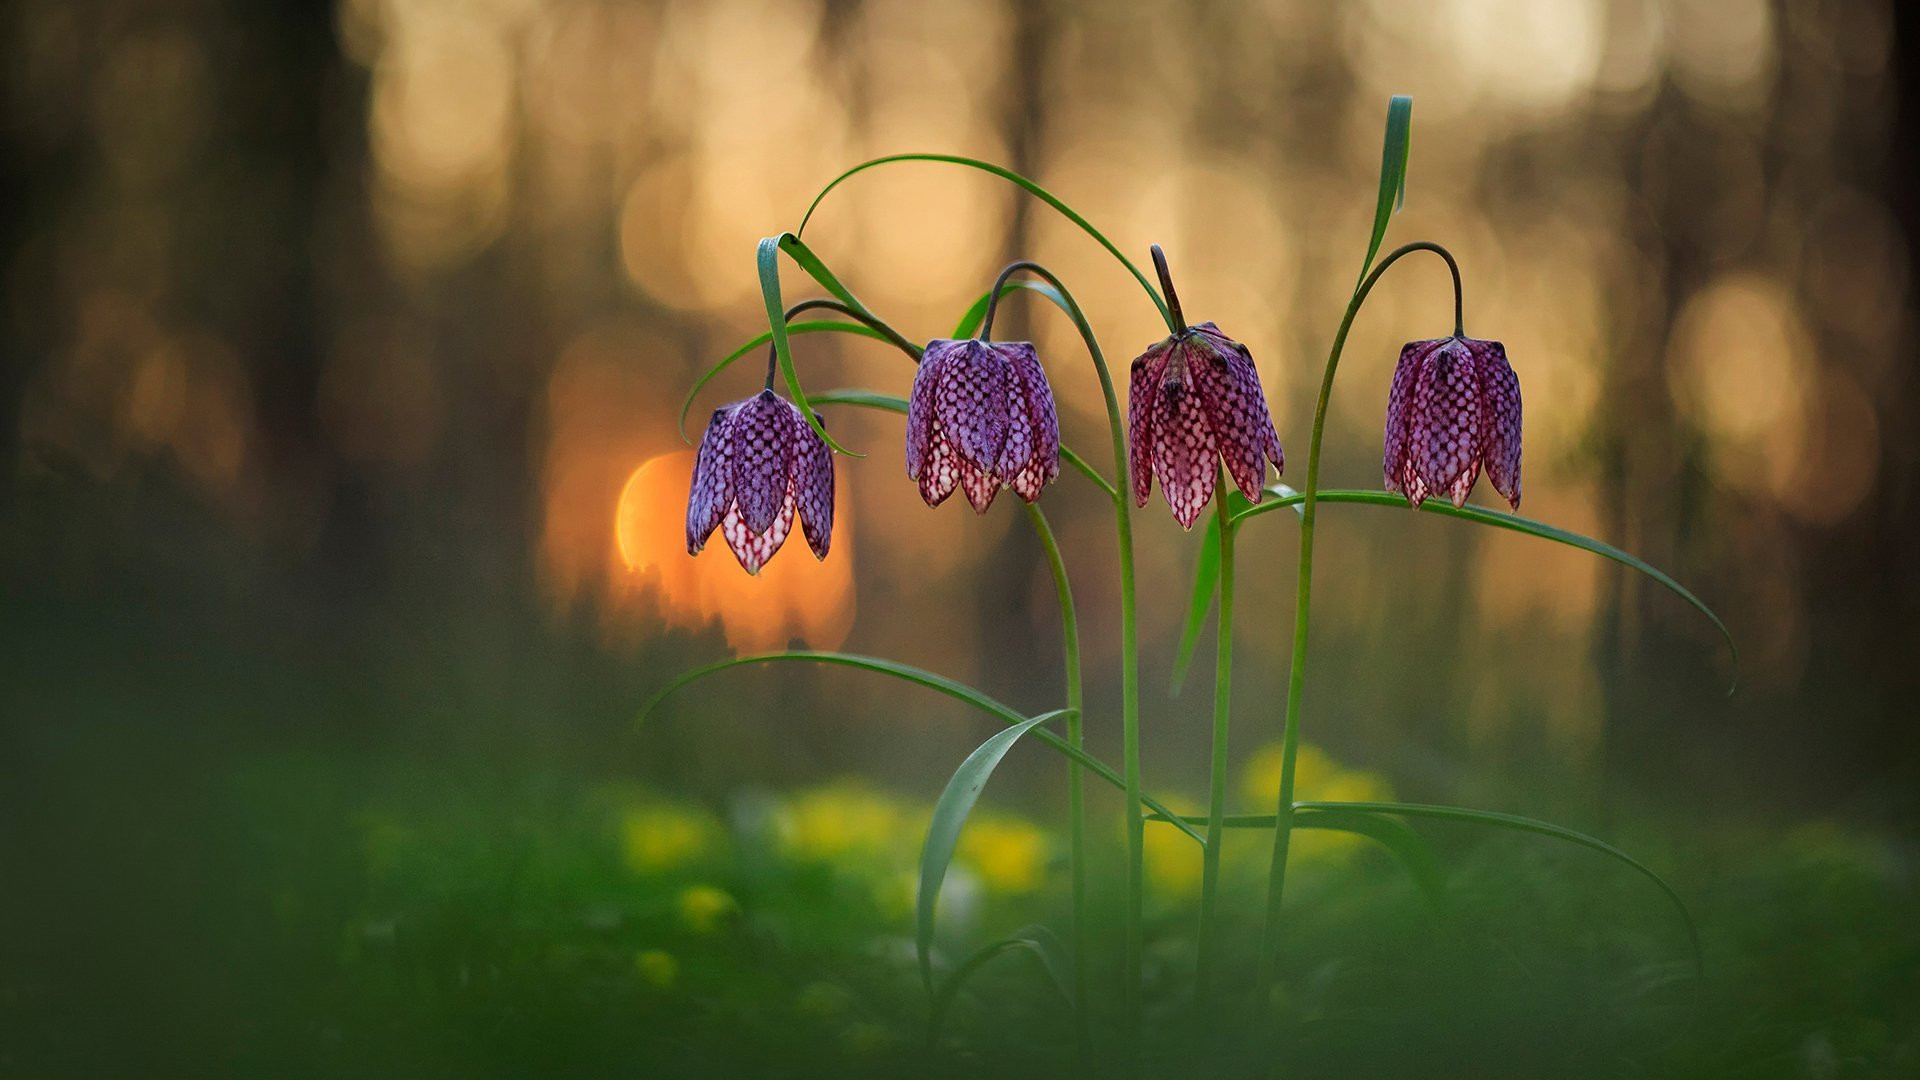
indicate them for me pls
(1393, 172)
(768, 261)
(1515, 523)
(970, 322)
(919, 677)
(1391, 833)
(871, 399)
(1035, 939)
(943, 831)
(1006, 174)
(1401, 842)
(1309, 808)
(1206, 585)
(819, 327)
(1530, 825)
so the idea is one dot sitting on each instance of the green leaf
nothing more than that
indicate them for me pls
(943, 832)
(1515, 523)
(870, 399)
(816, 268)
(1529, 825)
(1006, 174)
(1393, 834)
(970, 322)
(1206, 585)
(919, 677)
(1393, 172)
(820, 327)
(1036, 939)
(769, 264)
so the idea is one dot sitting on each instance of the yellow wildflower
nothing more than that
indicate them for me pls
(1008, 854)
(704, 909)
(665, 836)
(657, 968)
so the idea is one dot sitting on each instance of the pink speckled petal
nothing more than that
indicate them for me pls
(942, 470)
(920, 403)
(970, 404)
(751, 548)
(1397, 460)
(1237, 407)
(1184, 450)
(813, 485)
(760, 457)
(1499, 418)
(707, 501)
(1143, 402)
(1033, 406)
(980, 486)
(1446, 422)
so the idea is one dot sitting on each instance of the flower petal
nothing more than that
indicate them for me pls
(751, 548)
(1499, 418)
(981, 486)
(708, 499)
(1034, 396)
(1237, 408)
(813, 484)
(970, 402)
(920, 403)
(1395, 462)
(760, 457)
(1183, 451)
(942, 469)
(1143, 393)
(1445, 436)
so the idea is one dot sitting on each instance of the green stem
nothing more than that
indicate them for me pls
(1129, 676)
(1076, 780)
(1302, 606)
(1217, 779)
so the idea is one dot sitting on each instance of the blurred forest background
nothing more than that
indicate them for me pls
(343, 345)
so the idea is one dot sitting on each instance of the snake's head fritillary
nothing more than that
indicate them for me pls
(1194, 398)
(759, 466)
(1454, 406)
(981, 415)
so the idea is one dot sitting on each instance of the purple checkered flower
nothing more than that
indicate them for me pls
(759, 465)
(981, 415)
(1454, 406)
(1195, 398)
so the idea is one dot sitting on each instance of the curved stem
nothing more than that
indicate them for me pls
(1129, 670)
(1029, 186)
(821, 303)
(1217, 777)
(1175, 318)
(993, 298)
(1076, 779)
(1302, 606)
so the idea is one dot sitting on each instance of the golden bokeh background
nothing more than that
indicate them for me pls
(348, 341)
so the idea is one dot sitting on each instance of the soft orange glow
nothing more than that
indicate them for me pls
(793, 596)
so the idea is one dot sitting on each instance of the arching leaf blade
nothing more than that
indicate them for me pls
(1035, 939)
(950, 813)
(768, 263)
(1025, 184)
(969, 324)
(816, 327)
(1529, 825)
(1393, 172)
(1525, 526)
(919, 677)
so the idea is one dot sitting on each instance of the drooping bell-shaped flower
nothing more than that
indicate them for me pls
(759, 465)
(981, 415)
(1194, 398)
(1454, 406)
